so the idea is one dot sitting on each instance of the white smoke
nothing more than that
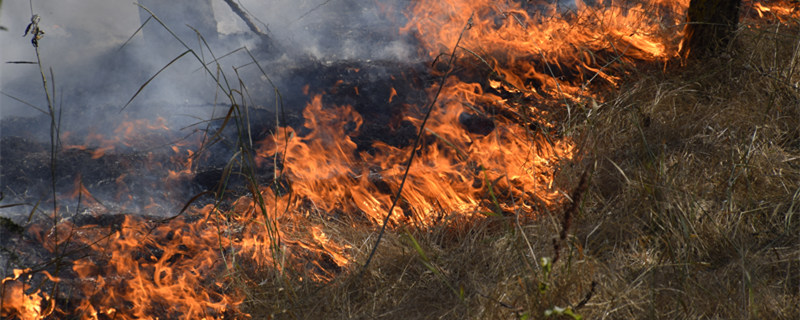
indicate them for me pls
(82, 38)
(95, 76)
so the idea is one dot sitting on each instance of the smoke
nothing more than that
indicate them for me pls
(83, 38)
(337, 29)
(97, 68)
(70, 37)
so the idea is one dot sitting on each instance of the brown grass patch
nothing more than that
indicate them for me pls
(691, 212)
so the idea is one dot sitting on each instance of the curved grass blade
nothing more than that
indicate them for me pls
(153, 77)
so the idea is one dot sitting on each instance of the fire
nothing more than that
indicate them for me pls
(151, 270)
(81, 192)
(449, 176)
(782, 10)
(550, 52)
(492, 146)
(16, 302)
(131, 133)
(20, 301)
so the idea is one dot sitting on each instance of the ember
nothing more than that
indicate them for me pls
(120, 244)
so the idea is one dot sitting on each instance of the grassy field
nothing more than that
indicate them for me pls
(683, 203)
(691, 211)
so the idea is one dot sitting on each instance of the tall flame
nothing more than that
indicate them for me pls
(531, 49)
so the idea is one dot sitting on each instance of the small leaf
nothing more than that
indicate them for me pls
(489, 213)
(542, 287)
(417, 247)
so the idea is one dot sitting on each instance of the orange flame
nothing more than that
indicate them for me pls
(154, 270)
(782, 10)
(325, 169)
(532, 58)
(508, 37)
(17, 300)
(17, 303)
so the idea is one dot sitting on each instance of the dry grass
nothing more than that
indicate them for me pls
(694, 201)
(691, 212)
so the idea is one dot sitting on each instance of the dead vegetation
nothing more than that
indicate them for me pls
(691, 212)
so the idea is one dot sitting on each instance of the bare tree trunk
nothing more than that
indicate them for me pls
(238, 10)
(710, 26)
(198, 14)
(271, 46)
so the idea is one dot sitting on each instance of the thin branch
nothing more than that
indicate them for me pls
(416, 145)
(238, 10)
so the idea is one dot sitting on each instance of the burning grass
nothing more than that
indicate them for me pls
(691, 212)
(659, 191)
